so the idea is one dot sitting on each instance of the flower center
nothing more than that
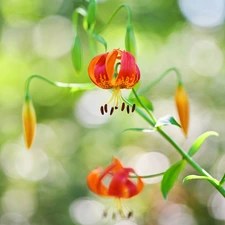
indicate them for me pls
(116, 101)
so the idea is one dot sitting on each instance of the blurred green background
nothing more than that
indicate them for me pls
(47, 185)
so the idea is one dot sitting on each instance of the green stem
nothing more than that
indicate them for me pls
(179, 149)
(92, 44)
(114, 13)
(222, 181)
(149, 112)
(148, 176)
(156, 81)
(77, 86)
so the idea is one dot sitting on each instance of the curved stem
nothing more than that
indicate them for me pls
(148, 176)
(179, 149)
(114, 13)
(156, 81)
(77, 86)
(149, 112)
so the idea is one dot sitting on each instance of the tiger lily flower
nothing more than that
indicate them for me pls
(182, 103)
(114, 70)
(120, 184)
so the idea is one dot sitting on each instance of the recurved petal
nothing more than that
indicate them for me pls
(94, 182)
(117, 165)
(29, 122)
(110, 62)
(117, 186)
(129, 74)
(182, 103)
(98, 61)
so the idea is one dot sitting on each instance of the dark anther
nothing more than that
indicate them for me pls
(133, 108)
(105, 214)
(130, 214)
(106, 108)
(128, 109)
(111, 111)
(116, 107)
(102, 110)
(123, 106)
(114, 216)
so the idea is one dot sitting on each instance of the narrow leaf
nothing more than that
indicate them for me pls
(199, 141)
(77, 55)
(144, 130)
(144, 101)
(195, 177)
(100, 39)
(170, 177)
(167, 120)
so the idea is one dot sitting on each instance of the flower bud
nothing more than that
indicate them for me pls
(182, 104)
(29, 121)
(130, 42)
(91, 14)
(77, 55)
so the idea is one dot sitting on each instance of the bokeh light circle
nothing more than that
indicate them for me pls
(92, 210)
(151, 163)
(13, 219)
(206, 58)
(87, 109)
(203, 13)
(125, 222)
(216, 205)
(32, 165)
(53, 37)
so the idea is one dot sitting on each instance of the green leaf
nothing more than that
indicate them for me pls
(130, 42)
(144, 100)
(199, 141)
(195, 177)
(166, 120)
(77, 55)
(100, 39)
(145, 130)
(170, 176)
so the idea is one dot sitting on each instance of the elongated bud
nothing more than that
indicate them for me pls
(130, 42)
(77, 55)
(182, 104)
(91, 14)
(29, 121)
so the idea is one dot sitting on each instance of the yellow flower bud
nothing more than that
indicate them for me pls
(29, 121)
(182, 104)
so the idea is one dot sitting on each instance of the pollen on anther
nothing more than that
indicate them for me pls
(102, 110)
(128, 109)
(116, 107)
(106, 108)
(105, 214)
(111, 111)
(130, 214)
(133, 108)
(123, 106)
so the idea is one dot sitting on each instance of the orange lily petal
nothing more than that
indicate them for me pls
(128, 75)
(110, 63)
(94, 183)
